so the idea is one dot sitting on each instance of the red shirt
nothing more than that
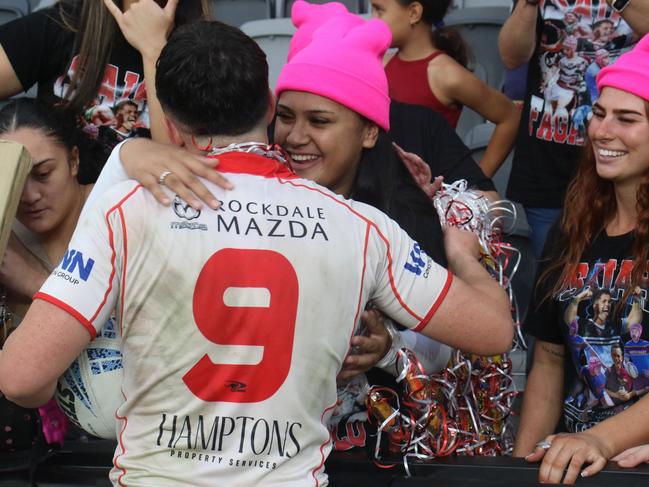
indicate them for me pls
(408, 83)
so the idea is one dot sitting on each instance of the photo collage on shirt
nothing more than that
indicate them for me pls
(606, 331)
(119, 111)
(578, 39)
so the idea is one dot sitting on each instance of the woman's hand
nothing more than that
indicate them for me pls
(633, 456)
(370, 347)
(145, 160)
(20, 271)
(566, 454)
(145, 25)
(420, 171)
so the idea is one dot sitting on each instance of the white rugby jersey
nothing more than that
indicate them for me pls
(235, 322)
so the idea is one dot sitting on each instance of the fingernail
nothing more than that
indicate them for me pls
(528, 456)
(214, 204)
(584, 473)
(166, 201)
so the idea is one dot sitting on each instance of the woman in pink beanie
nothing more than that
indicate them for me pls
(333, 113)
(591, 295)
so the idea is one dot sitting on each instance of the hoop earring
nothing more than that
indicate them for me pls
(203, 149)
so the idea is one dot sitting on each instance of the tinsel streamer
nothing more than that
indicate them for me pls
(465, 409)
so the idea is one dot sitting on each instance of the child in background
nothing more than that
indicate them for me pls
(430, 69)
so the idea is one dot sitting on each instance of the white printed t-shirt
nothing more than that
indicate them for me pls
(236, 322)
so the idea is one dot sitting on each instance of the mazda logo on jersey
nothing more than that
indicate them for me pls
(183, 210)
(73, 260)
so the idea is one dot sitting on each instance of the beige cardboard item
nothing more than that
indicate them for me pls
(15, 164)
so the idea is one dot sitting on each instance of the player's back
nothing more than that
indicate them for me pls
(235, 324)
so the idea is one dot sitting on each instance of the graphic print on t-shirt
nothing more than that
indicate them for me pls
(605, 337)
(578, 39)
(118, 112)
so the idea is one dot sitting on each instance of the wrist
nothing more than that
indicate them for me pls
(390, 356)
(151, 53)
(459, 258)
(603, 441)
(528, 10)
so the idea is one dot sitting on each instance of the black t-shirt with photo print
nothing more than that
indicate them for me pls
(575, 39)
(605, 335)
(40, 49)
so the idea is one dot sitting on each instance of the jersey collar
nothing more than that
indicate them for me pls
(253, 164)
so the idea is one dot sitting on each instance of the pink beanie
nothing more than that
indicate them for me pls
(342, 62)
(630, 72)
(307, 17)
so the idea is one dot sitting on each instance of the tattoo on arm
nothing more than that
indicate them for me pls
(552, 352)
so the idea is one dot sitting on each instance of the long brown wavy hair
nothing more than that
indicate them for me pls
(95, 30)
(589, 206)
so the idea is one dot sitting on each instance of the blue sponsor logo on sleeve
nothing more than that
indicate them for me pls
(418, 262)
(73, 260)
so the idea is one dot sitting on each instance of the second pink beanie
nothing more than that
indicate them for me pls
(630, 72)
(307, 17)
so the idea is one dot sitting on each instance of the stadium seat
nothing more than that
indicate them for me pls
(356, 6)
(273, 36)
(237, 12)
(479, 27)
(13, 9)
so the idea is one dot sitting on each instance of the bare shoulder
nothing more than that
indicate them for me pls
(446, 71)
(446, 78)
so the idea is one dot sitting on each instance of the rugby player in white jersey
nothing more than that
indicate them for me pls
(236, 321)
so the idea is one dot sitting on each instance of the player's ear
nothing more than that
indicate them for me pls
(272, 103)
(173, 133)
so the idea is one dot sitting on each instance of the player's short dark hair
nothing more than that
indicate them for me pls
(213, 79)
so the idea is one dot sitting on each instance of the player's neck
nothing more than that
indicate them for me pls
(199, 144)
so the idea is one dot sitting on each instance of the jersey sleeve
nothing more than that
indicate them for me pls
(86, 281)
(410, 286)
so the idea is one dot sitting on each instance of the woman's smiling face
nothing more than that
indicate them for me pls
(619, 132)
(324, 140)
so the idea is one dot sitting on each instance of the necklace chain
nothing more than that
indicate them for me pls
(258, 148)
